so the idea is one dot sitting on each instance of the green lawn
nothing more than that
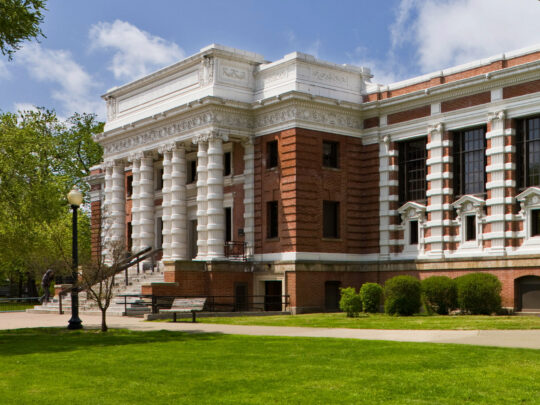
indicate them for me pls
(6, 306)
(382, 321)
(56, 366)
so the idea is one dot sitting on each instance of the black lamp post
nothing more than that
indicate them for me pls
(75, 200)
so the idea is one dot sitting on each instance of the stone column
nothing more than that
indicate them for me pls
(107, 205)
(135, 168)
(215, 211)
(249, 195)
(202, 219)
(166, 151)
(118, 203)
(438, 191)
(494, 233)
(178, 227)
(146, 202)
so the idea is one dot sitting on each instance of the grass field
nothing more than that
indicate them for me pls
(382, 321)
(55, 366)
(7, 306)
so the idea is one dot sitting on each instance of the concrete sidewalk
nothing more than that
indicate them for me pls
(501, 338)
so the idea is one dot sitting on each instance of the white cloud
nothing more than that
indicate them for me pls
(313, 48)
(136, 52)
(448, 33)
(75, 85)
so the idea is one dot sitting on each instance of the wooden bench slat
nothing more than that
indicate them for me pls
(192, 305)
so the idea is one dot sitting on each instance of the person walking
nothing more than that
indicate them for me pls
(45, 284)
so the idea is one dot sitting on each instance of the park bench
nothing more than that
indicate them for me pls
(192, 305)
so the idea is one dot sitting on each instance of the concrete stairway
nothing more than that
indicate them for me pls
(133, 306)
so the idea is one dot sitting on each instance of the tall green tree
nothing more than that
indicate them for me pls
(41, 158)
(19, 22)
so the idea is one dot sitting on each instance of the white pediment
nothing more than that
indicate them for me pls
(412, 210)
(469, 204)
(529, 197)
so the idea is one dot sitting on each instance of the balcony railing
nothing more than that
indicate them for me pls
(235, 250)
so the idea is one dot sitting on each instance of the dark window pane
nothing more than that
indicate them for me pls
(412, 170)
(469, 163)
(271, 154)
(528, 152)
(227, 164)
(330, 154)
(330, 219)
(228, 224)
(129, 185)
(271, 219)
(535, 222)
(470, 227)
(413, 232)
(192, 171)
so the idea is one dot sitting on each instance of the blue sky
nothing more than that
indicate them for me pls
(92, 46)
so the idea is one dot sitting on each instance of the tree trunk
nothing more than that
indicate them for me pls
(103, 320)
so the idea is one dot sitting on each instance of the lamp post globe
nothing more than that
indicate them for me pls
(75, 199)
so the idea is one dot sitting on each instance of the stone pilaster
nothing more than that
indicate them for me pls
(496, 184)
(249, 196)
(215, 209)
(178, 227)
(146, 202)
(107, 205)
(202, 192)
(438, 191)
(388, 183)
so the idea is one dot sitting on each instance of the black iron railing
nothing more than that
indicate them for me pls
(218, 303)
(235, 250)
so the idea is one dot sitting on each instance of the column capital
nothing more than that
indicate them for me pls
(247, 141)
(135, 156)
(436, 128)
(499, 115)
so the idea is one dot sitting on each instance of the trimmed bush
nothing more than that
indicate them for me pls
(350, 302)
(479, 293)
(402, 296)
(371, 296)
(439, 294)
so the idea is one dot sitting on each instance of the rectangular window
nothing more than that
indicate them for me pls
(227, 164)
(330, 219)
(528, 152)
(129, 185)
(330, 154)
(159, 179)
(129, 237)
(272, 219)
(412, 170)
(470, 227)
(469, 161)
(192, 171)
(535, 222)
(159, 233)
(413, 232)
(228, 224)
(271, 154)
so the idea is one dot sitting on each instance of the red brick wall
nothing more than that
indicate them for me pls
(95, 228)
(408, 115)
(521, 89)
(371, 122)
(497, 65)
(464, 102)
(300, 184)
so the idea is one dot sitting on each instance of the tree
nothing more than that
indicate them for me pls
(19, 22)
(98, 277)
(41, 158)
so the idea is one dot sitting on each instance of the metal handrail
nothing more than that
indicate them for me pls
(236, 249)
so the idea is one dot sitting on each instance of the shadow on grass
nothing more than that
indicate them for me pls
(50, 340)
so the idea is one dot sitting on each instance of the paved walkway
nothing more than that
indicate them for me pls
(501, 338)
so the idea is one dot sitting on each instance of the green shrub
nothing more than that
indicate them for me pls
(402, 295)
(350, 302)
(439, 294)
(371, 296)
(479, 293)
